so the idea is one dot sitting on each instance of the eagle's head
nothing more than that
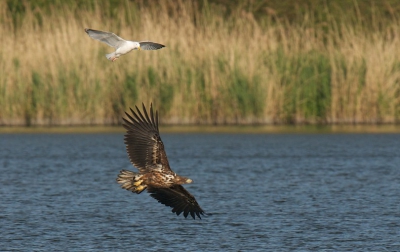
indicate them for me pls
(184, 180)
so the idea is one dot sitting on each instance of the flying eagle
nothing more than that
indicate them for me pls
(146, 152)
(121, 46)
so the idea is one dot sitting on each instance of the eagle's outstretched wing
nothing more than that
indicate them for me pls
(143, 142)
(178, 199)
(108, 38)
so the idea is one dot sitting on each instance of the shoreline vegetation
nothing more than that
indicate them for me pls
(243, 65)
(207, 129)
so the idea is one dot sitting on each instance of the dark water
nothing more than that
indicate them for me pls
(265, 192)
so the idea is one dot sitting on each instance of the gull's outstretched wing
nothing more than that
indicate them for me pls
(108, 38)
(148, 45)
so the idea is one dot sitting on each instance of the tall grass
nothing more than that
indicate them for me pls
(215, 69)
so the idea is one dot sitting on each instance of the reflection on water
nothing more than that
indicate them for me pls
(329, 192)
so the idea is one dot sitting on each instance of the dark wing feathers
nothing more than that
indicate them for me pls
(178, 199)
(148, 45)
(146, 150)
(143, 142)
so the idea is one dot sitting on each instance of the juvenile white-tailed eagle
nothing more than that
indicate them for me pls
(121, 45)
(146, 152)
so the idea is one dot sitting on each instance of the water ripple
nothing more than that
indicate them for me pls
(264, 193)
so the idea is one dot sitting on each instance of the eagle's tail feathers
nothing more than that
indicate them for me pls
(131, 181)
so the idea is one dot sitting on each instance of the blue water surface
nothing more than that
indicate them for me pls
(266, 192)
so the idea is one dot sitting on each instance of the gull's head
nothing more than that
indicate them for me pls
(134, 45)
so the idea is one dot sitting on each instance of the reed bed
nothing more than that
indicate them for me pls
(216, 69)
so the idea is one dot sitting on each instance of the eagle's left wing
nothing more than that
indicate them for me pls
(178, 199)
(143, 142)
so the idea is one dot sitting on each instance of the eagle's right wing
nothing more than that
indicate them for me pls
(178, 199)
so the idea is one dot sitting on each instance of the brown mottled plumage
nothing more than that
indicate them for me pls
(146, 152)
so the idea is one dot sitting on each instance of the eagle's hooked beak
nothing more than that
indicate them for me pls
(139, 48)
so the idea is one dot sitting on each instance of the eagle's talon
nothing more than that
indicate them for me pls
(137, 183)
(140, 189)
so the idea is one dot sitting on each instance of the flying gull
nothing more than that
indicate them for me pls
(121, 46)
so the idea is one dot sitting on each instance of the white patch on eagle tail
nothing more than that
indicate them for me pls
(131, 181)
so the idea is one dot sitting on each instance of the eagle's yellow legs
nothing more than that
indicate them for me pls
(137, 183)
(131, 181)
(138, 187)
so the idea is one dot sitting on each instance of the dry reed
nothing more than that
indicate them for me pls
(214, 70)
